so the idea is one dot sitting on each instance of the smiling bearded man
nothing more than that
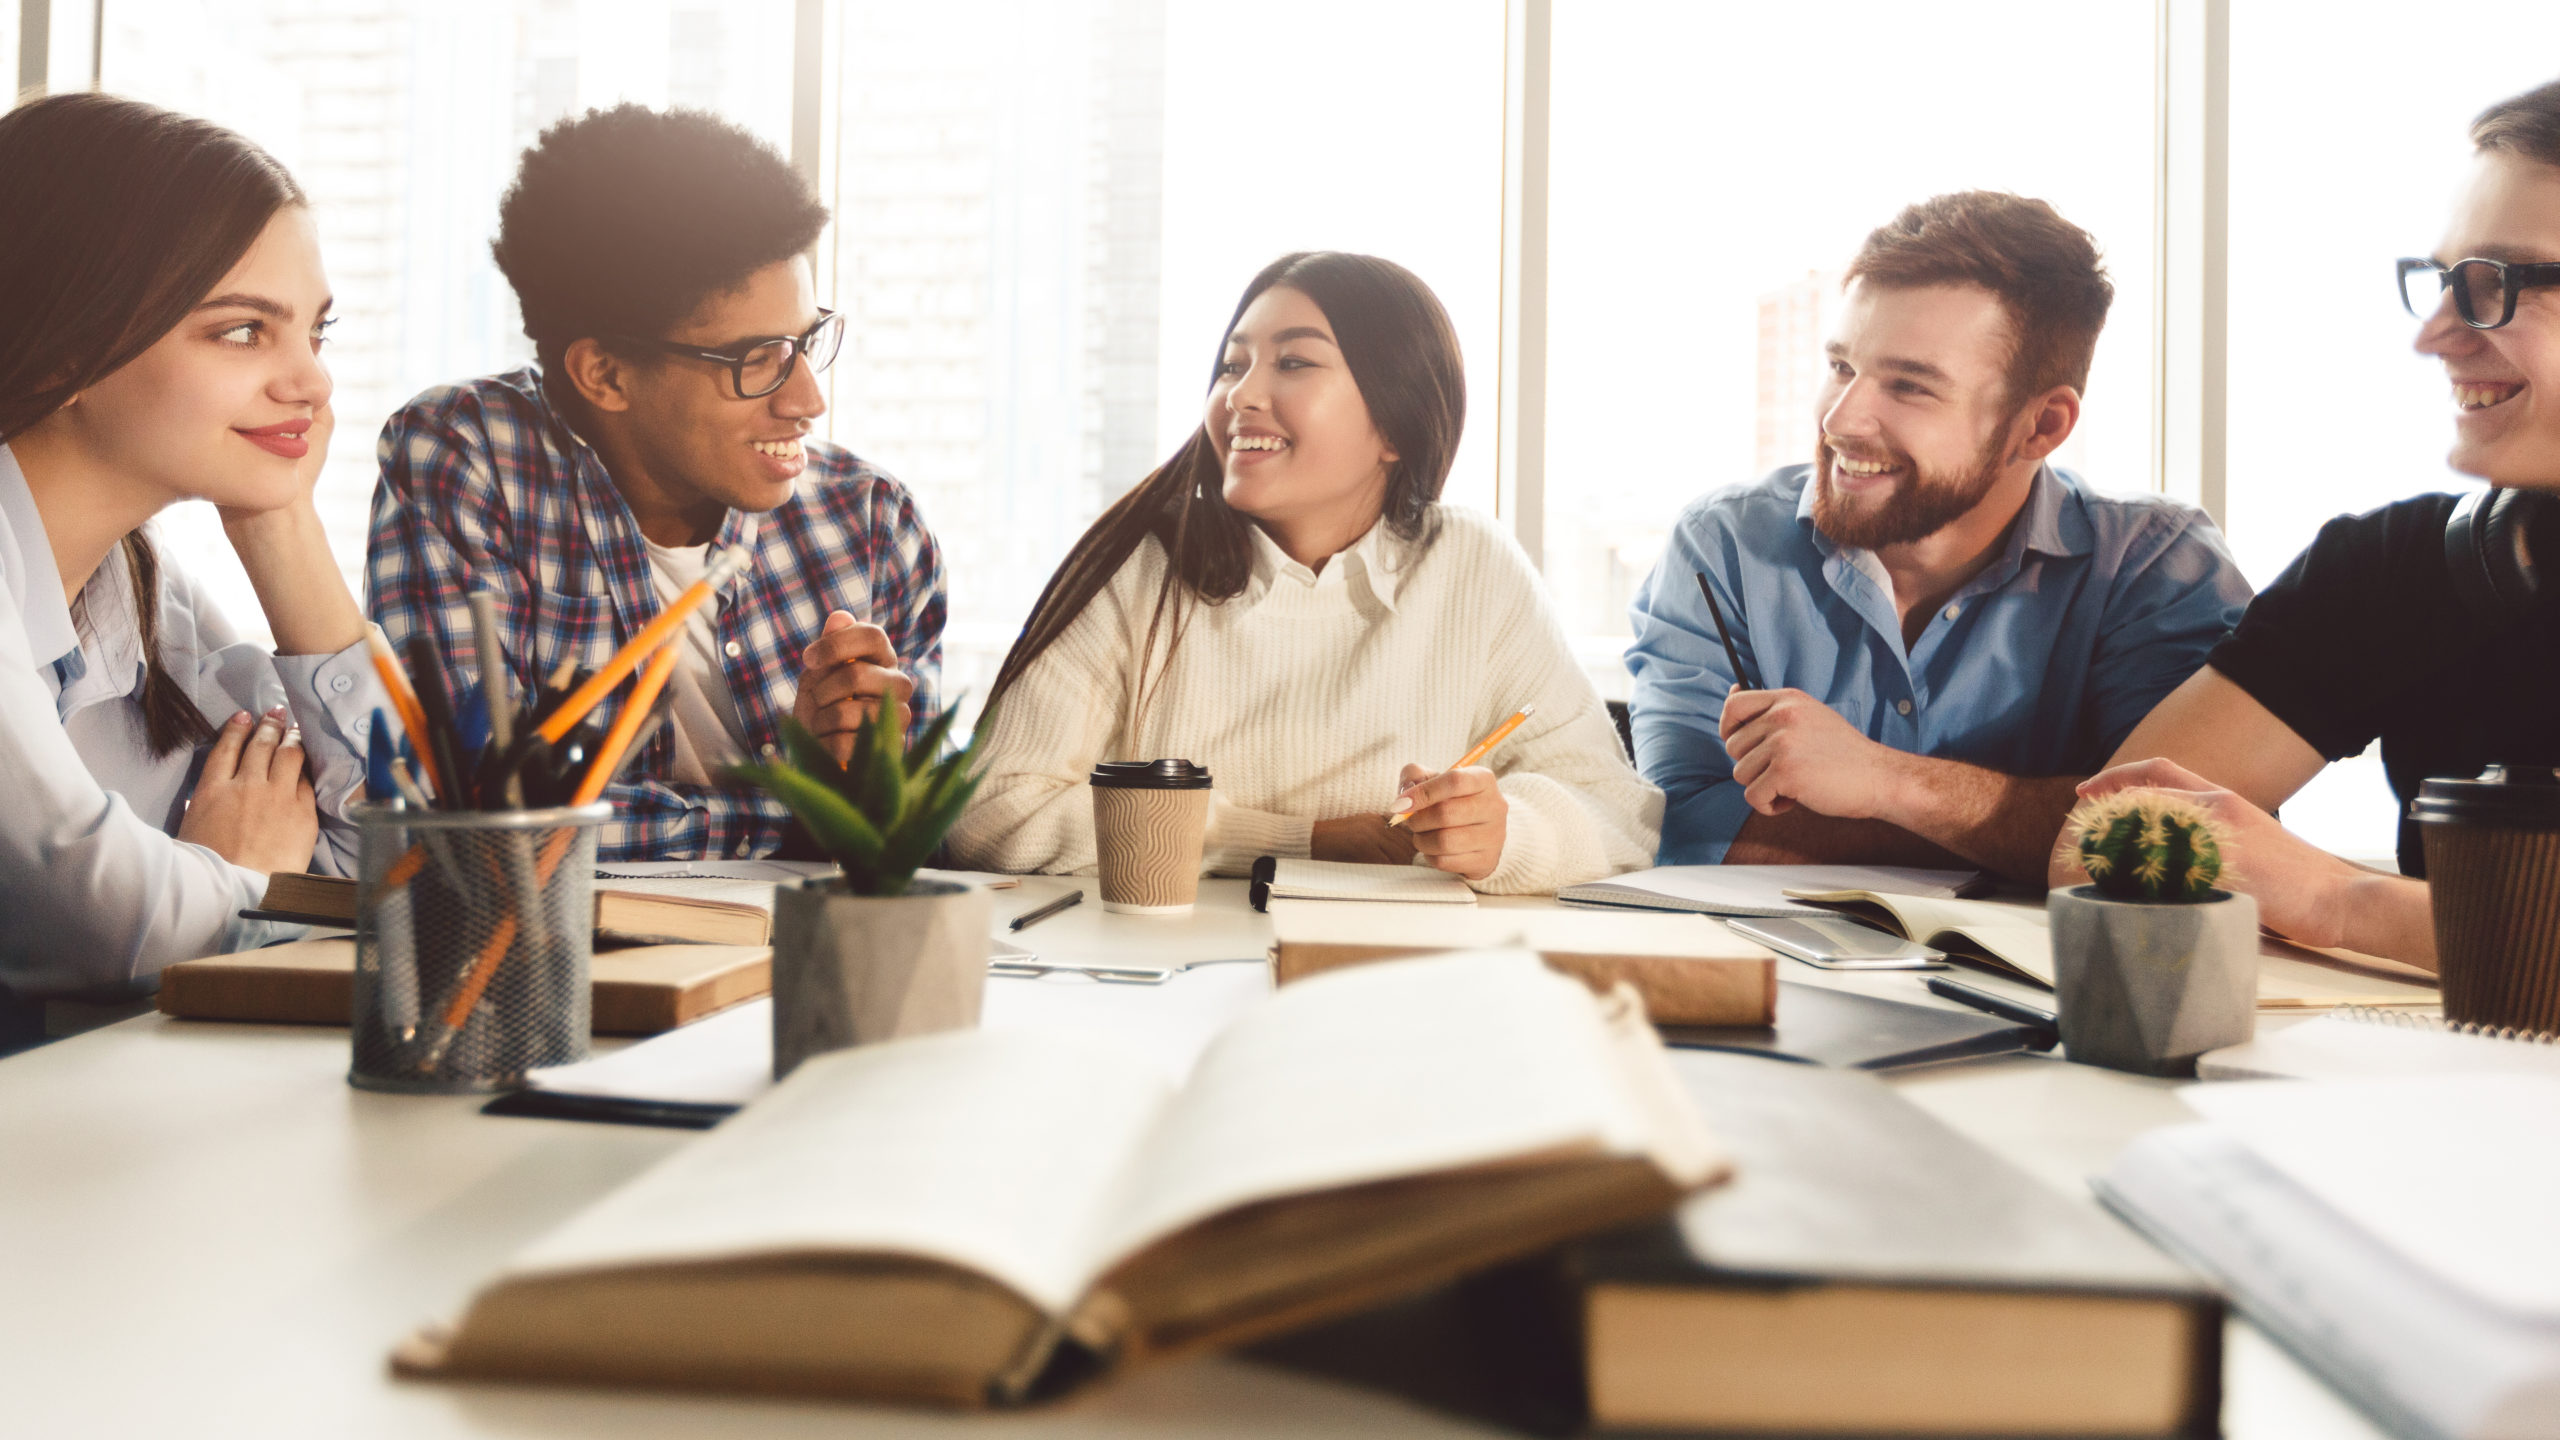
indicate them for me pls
(1949, 632)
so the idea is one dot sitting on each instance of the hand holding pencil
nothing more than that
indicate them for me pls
(1459, 818)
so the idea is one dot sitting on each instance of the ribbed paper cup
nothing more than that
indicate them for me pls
(2493, 873)
(1150, 821)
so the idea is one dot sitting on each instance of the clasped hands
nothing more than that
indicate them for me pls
(846, 675)
(1456, 820)
(1789, 749)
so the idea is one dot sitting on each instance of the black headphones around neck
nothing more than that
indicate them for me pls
(2484, 551)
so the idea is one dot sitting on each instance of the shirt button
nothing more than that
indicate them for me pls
(341, 684)
(733, 649)
(1954, 610)
(746, 847)
(770, 751)
(1902, 707)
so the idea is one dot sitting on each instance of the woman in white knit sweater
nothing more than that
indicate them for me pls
(1286, 603)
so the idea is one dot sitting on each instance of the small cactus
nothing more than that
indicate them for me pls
(2146, 845)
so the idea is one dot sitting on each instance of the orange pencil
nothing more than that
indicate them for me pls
(413, 716)
(627, 724)
(1482, 748)
(657, 632)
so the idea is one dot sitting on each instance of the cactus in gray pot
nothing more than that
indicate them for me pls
(2147, 846)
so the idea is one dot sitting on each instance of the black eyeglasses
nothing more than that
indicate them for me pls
(2484, 291)
(760, 367)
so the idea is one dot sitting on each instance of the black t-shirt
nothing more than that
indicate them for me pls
(2363, 637)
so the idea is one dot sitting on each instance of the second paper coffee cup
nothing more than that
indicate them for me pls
(1150, 818)
(2493, 876)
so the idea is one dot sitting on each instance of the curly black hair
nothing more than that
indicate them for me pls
(622, 221)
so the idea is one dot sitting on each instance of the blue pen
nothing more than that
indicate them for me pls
(379, 748)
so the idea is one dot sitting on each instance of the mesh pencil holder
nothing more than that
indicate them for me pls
(474, 930)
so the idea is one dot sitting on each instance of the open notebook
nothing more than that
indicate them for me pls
(985, 1216)
(1758, 889)
(2011, 938)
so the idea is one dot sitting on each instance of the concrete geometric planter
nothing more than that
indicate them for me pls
(2148, 987)
(852, 969)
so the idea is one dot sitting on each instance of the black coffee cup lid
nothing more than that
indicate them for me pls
(2504, 797)
(1150, 775)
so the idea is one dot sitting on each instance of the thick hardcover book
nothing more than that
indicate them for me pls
(664, 910)
(639, 989)
(1869, 1270)
(1866, 1271)
(1689, 970)
(985, 1217)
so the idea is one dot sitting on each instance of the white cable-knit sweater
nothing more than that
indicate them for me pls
(1305, 695)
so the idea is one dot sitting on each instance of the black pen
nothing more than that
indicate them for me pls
(1030, 918)
(2046, 1025)
(1732, 657)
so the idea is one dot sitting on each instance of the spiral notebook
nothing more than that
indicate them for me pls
(2356, 1043)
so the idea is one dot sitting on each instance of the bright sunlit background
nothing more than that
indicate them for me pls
(1046, 209)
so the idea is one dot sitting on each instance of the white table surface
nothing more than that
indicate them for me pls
(205, 1231)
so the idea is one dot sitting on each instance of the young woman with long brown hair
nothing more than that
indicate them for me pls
(1286, 602)
(161, 306)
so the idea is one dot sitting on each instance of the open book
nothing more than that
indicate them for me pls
(2011, 940)
(985, 1217)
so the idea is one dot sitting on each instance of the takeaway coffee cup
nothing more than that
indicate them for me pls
(2493, 867)
(1149, 820)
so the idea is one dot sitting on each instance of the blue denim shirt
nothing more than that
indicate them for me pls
(2096, 607)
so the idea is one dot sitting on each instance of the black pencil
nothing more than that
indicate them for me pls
(1732, 657)
(1029, 918)
(426, 671)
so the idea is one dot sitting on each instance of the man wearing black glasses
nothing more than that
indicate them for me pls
(2429, 624)
(660, 261)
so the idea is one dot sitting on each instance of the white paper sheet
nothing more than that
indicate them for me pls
(2461, 1174)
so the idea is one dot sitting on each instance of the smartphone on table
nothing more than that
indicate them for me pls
(1836, 942)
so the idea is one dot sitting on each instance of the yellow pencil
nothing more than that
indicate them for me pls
(1482, 748)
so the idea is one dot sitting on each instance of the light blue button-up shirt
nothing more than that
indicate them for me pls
(2095, 607)
(96, 892)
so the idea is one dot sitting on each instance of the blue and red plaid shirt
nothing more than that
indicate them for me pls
(482, 482)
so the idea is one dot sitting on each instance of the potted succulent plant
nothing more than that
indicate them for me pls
(874, 953)
(2153, 964)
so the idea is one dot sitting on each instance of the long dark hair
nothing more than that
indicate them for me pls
(1402, 352)
(123, 217)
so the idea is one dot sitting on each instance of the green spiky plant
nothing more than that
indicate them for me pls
(881, 813)
(2147, 846)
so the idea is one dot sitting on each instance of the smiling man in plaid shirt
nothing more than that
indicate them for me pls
(660, 261)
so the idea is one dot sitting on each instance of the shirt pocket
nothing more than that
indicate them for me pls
(578, 628)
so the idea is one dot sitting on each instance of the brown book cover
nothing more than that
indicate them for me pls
(625, 913)
(639, 989)
(1867, 1271)
(1689, 969)
(990, 1217)
(1817, 1293)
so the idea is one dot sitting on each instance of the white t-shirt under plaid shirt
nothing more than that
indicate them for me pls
(483, 483)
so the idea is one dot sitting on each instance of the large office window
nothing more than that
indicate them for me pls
(1714, 168)
(402, 119)
(2346, 151)
(1045, 210)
